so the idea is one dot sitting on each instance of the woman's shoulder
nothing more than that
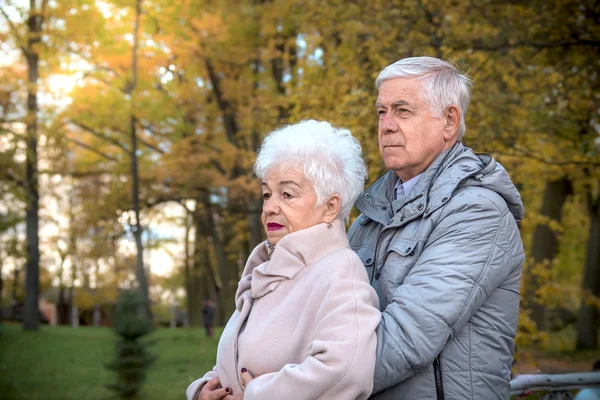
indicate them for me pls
(342, 263)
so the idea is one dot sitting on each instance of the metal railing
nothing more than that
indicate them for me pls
(557, 387)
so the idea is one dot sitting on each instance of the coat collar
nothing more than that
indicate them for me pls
(293, 253)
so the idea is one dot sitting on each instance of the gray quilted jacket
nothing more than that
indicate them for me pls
(446, 264)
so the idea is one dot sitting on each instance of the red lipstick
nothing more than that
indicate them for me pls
(272, 226)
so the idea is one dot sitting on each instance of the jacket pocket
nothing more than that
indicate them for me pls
(397, 262)
(404, 247)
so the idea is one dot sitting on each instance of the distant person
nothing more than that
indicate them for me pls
(305, 319)
(590, 393)
(438, 236)
(209, 316)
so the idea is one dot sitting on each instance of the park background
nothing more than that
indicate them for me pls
(128, 129)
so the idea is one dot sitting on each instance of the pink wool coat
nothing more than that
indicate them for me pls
(305, 322)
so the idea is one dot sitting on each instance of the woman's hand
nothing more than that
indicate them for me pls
(246, 378)
(213, 390)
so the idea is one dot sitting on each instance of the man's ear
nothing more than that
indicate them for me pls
(333, 207)
(451, 121)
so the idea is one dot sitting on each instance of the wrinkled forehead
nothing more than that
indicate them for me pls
(408, 89)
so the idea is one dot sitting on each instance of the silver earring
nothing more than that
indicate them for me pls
(329, 225)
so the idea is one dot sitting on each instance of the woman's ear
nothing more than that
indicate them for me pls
(333, 205)
(452, 121)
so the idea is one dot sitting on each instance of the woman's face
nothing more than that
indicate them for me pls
(289, 203)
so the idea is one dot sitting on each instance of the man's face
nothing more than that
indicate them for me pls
(410, 138)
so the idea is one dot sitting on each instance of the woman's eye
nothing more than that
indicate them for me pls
(286, 195)
(266, 196)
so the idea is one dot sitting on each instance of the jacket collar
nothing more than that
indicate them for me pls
(433, 190)
(292, 254)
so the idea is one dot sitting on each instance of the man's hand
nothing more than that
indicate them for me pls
(213, 391)
(246, 378)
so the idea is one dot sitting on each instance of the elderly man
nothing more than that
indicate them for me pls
(438, 236)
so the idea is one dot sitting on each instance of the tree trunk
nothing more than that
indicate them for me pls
(15, 287)
(71, 304)
(1, 284)
(588, 321)
(255, 222)
(196, 293)
(545, 244)
(62, 309)
(188, 266)
(31, 317)
(224, 266)
(137, 229)
(212, 288)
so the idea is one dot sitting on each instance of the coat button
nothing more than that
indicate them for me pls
(420, 207)
(445, 199)
(367, 194)
(412, 253)
(377, 276)
(368, 261)
(409, 249)
(402, 219)
(384, 208)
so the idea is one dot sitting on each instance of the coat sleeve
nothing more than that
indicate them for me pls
(341, 355)
(469, 253)
(195, 387)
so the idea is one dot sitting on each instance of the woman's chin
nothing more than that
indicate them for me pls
(275, 236)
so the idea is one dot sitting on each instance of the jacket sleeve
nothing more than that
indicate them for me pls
(468, 254)
(341, 355)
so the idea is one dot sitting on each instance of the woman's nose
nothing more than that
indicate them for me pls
(270, 205)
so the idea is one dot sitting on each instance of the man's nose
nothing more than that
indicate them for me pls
(387, 124)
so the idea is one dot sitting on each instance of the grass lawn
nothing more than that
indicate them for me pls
(68, 363)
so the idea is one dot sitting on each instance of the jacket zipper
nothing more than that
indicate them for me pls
(375, 256)
(437, 373)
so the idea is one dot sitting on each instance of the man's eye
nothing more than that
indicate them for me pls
(380, 112)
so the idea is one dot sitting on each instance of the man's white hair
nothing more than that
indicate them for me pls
(330, 158)
(443, 84)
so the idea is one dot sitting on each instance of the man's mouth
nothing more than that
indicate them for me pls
(272, 226)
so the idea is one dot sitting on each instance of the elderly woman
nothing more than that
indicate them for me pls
(305, 319)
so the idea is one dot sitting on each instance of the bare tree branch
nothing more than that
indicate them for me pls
(97, 68)
(77, 174)
(92, 149)
(14, 29)
(150, 145)
(218, 166)
(11, 177)
(100, 135)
